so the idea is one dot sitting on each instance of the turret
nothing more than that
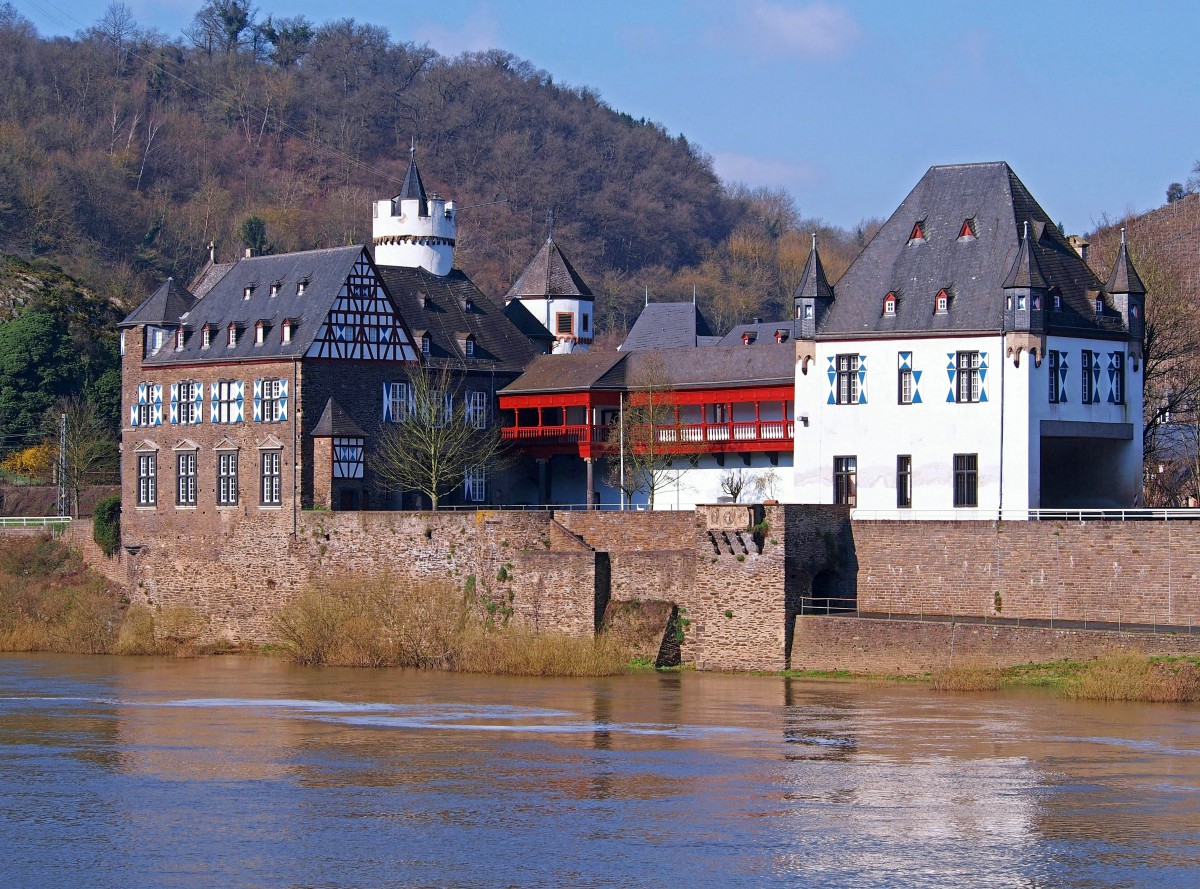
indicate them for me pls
(813, 297)
(557, 296)
(1129, 297)
(1026, 290)
(413, 229)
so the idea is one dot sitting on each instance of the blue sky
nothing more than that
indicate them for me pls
(1095, 105)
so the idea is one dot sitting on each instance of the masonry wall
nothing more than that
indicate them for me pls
(865, 645)
(1119, 572)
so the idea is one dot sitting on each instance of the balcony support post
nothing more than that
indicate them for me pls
(591, 496)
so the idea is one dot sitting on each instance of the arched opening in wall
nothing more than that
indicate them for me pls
(830, 595)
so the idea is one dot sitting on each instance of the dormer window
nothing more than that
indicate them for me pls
(286, 331)
(967, 232)
(232, 335)
(918, 233)
(425, 345)
(889, 304)
(469, 347)
(300, 287)
(941, 304)
(206, 337)
(780, 335)
(275, 289)
(260, 332)
(423, 299)
(468, 305)
(179, 339)
(747, 339)
(1099, 305)
(248, 291)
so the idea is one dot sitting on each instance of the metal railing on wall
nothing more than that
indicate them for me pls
(53, 522)
(1026, 515)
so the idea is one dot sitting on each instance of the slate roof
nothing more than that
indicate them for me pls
(549, 273)
(762, 333)
(1124, 277)
(413, 189)
(973, 270)
(530, 326)
(499, 344)
(683, 368)
(335, 421)
(813, 283)
(208, 277)
(163, 307)
(1027, 270)
(667, 326)
(323, 272)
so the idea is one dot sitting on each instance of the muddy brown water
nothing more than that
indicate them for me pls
(118, 772)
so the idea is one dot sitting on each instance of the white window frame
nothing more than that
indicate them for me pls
(475, 484)
(1086, 387)
(227, 478)
(147, 490)
(189, 412)
(477, 408)
(968, 383)
(271, 400)
(185, 478)
(226, 400)
(846, 379)
(271, 485)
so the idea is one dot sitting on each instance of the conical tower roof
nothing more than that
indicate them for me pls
(1026, 271)
(549, 274)
(1124, 277)
(413, 189)
(335, 422)
(813, 283)
(163, 308)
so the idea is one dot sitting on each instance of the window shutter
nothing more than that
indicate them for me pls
(213, 409)
(283, 399)
(199, 402)
(156, 412)
(174, 404)
(387, 402)
(239, 403)
(133, 412)
(258, 401)
(449, 409)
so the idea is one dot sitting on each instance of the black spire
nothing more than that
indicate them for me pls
(413, 189)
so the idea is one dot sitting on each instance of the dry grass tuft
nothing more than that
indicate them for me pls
(379, 622)
(968, 677)
(1130, 677)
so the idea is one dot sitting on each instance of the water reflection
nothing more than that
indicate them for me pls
(253, 773)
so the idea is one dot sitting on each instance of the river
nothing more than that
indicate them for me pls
(123, 772)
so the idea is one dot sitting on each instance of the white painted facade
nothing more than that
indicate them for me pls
(405, 238)
(569, 318)
(1094, 449)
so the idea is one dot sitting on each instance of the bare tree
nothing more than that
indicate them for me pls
(734, 482)
(437, 438)
(653, 450)
(89, 453)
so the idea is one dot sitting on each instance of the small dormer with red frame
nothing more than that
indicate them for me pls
(917, 236)
(889, 304)
(941, 302)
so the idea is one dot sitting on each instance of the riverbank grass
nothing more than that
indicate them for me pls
(389, 623)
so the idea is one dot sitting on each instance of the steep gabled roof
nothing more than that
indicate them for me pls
(443, 315)
(972, 270)
(163, 308)
(1026, 271)
(334, 421)
(549, 273)
(667, 326)
(323, 273)
(524, 321)
(1124, 277)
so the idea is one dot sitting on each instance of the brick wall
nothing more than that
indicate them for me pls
(865, 645)
(1129, 572)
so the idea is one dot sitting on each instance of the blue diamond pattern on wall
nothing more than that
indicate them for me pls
(951, 372)
(832, 381)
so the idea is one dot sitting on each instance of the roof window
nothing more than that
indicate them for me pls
(178, 339)
(248, 291)
(286, 331)
(968, 231)
(889, 303)
(301, 286)
(425, 345)
(918, 233)
(206, 336)
(260, 333)
(233, 333)
(748, 337)
(781, 335)
(1099, 305)
(275, 289)
(941, 303)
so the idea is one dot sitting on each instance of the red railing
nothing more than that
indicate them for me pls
(687, 433)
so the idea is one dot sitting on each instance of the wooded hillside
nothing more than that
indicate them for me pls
(124, 152)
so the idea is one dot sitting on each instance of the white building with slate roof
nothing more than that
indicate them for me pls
(969, 364)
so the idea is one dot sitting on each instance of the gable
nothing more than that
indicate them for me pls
(362, 324)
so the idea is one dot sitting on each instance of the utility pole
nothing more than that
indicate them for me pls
(64, 497)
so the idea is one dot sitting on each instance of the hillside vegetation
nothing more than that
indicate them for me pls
(125, 152)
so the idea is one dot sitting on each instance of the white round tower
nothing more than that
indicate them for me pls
(414, 230)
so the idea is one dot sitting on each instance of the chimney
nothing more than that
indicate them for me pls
(249, 252)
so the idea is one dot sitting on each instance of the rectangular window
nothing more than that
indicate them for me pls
(903, 481)
(185, 488)
(272, 401)
(906, 386)
(1118, 378)
(475, 484)
(227, 479)
(147, 480)
(477, 409)
(145, 414)
(966, 479)
(968, 383)
(189, 402)
(270, 478)
(845, 481)
(1085, 376)
(847, 379)
(564, 322)
(585, 323)
(469, 348)
(225, 392)
(1055, 389)
(397, 407)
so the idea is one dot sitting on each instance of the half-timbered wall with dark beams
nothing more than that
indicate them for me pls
(362, 324)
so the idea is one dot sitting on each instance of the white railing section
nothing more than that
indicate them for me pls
(1025, 515)
(54, 522)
